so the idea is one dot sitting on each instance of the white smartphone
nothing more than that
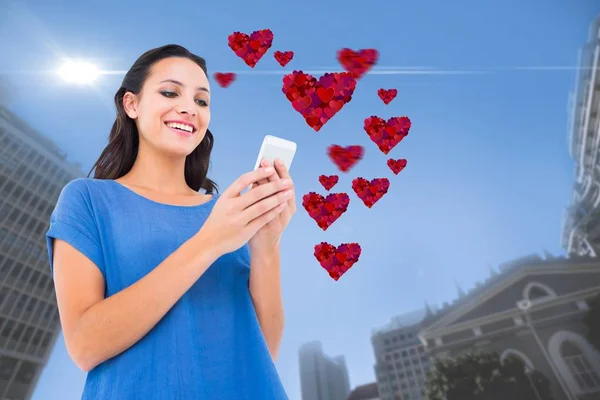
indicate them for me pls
(274, 147)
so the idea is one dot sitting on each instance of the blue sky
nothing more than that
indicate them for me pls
(488, 172)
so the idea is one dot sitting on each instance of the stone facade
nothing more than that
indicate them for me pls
(546, 331)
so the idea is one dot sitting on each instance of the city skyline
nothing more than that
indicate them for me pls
(488, 167)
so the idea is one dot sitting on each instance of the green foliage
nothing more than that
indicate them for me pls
(481, 376)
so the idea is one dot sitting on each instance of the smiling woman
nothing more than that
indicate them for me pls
(165, 63)
(160, 294)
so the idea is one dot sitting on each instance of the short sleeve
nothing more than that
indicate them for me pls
(74, 222)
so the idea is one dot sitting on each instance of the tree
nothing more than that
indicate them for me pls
(592, 322)
(481, 376)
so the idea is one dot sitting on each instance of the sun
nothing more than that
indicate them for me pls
(79, 72)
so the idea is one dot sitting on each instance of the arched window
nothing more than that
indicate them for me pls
(577, 362)
(537, 291)
(580, 367)
(517, 354)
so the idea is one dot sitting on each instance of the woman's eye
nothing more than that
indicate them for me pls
(200, 102)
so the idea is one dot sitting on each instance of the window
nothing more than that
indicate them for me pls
(26, 372)
(537, 291)
(7, 366)
(579, 366)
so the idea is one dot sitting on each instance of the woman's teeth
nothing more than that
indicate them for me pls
(182, 127)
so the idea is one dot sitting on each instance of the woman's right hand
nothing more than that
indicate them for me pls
(236, 217)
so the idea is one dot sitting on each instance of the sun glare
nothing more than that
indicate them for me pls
(79, 72)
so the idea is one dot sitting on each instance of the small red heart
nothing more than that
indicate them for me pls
(328, 182)
(224, 79)
(345, 157)
(357, 63)
(337, 261)
(251, 48)
(283, 58)
(388, 134)
(327, 95)
(396, 165)
(370, 192)
(325, 210)
(387, 95)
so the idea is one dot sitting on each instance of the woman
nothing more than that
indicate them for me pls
(165, 292)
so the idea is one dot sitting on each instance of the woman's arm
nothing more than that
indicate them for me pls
(97, 329)
(265, 290)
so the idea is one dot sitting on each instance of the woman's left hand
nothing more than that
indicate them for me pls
(268, 237)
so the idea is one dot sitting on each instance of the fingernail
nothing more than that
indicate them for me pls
(288, 194)
(285, 181)
(269, 170)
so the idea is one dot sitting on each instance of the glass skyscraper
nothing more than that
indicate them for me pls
(32, 173)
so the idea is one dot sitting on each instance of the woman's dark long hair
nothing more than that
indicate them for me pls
(121, 152)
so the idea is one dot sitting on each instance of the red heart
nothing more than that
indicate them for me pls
(396, 165)
(327, 96)
(387, 134)
(328, 182)
(283, 58)
(325, 210)
(251, 48)
(387, 95)
(370, 192)
(345, 157)
(224, 79)
(337, 261)
(357, 63)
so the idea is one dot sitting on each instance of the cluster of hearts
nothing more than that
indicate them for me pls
(318, 101)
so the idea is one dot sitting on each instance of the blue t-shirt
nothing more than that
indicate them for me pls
(209, 346)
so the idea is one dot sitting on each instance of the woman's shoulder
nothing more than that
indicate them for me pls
(79, 192)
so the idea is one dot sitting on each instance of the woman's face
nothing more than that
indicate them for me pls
(172, 112)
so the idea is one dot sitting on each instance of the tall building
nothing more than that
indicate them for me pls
(401, 362)
(581, 222)
(322, 377)
(32, 173)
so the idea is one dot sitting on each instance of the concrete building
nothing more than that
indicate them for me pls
(365, 392)
(581, 222)
(401, 362)
(32, 173)
(533, 309)
(322, 377)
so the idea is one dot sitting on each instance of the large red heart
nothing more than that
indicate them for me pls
(345, 157)
(388, 134)
(387, 95)
(358, 63)
(325, 210)
(318, 101)
(397, 165)
(329, 182)
(224, 79)
(251, 48)
(337, 261)
(370, 192)
(283, 58)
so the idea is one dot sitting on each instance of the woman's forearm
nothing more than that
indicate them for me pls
(265, 290)
(116, 323)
